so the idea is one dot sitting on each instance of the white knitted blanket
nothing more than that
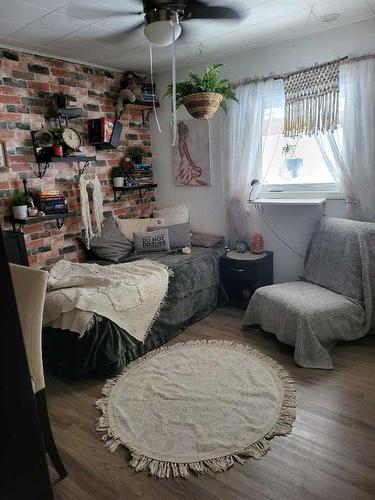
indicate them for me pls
(129, 294)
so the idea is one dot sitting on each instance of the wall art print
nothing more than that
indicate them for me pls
(191, 155)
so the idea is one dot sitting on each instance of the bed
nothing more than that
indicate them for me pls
(105, 348)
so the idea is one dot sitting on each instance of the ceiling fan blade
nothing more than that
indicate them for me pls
(188, 34)
(89, 15)
(199, 10)
(117, 38)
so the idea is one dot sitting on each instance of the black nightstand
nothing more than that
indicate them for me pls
(240, 278)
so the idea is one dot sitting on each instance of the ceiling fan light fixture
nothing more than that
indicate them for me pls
(160, 33)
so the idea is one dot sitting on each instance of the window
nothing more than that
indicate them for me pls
(290, 165)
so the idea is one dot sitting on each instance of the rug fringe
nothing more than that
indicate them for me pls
(162, 469)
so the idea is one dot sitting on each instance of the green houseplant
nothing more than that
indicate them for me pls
(203, 94)
(19, 203)
(136, 154)
(118, 174)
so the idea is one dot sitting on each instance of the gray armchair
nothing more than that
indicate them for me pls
(335, 299)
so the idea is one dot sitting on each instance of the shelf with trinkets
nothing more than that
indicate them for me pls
(70, 142)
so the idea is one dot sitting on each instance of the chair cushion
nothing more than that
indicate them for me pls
(306, 316)
(334, 257)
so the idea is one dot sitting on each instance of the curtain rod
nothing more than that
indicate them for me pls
(343, 60)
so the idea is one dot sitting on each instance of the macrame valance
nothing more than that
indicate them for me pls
(312, 100)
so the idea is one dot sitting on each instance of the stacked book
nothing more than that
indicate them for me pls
(143, 174)
(148, 93)
(52, 201)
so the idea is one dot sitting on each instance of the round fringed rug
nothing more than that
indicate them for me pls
(196, 406)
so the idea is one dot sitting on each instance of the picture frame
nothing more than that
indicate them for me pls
(3, 156)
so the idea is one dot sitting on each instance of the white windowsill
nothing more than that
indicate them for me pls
(290, 201)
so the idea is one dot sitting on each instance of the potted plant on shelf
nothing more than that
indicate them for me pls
(136, 154)
(203, 94)
(58, 142)
(19, 204)
(118, 175)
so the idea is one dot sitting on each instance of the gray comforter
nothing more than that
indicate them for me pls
(106, 349)
(335, 299)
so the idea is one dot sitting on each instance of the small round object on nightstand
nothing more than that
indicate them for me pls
(241, 247)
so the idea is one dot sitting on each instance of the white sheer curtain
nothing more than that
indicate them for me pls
(351, 160)
(240, 146)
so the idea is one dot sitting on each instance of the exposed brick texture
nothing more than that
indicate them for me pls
(25, 84)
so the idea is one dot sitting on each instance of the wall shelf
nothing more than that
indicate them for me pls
(145, 108)
(44, 165)
(142, 189)
(60, 219)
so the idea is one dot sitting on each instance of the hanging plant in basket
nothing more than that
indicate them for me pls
(203, 94)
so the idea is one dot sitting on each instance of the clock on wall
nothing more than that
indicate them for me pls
(71, 138)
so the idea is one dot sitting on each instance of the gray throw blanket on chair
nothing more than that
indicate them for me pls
(334, 301)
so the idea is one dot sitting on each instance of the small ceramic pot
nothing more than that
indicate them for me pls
(118, 182)
(20, 212)
(33, 212)
(58, 151)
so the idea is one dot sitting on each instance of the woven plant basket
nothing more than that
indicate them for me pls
(202, 105)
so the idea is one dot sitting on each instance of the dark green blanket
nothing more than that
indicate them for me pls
(105, 348)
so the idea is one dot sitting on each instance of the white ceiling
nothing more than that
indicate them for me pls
(90, 30)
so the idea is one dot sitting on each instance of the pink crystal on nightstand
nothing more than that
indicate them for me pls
(257, 243)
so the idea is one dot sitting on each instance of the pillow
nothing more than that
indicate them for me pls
(173, 215)
(206, 240)
(111, 244)
(157, 241)
(130, 226)
(179, 234)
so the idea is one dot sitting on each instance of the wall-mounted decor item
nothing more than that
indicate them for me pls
(3, 156)
(104, 133)
(191, 155)
(312, 100)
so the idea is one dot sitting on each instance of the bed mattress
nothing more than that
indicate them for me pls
(105, 348)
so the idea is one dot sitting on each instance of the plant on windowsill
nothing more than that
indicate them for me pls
(203, 94)
(293, 165)
(118, 175)
(19, 204)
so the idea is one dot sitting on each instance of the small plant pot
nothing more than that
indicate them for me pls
(202, 105)
(118, 182)
(58, 151)
(20, 212)
(293, 166)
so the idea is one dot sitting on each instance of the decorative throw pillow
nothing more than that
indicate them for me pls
(157, 241)
(173, 215)
(111, 244)
(130, 226)
(206, 240)
(179, 234)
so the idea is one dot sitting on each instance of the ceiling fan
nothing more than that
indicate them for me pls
(162, 17)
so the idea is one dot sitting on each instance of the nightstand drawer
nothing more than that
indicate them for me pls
(239, 278)
(231, 268)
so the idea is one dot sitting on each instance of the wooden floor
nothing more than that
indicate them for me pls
(329, 455)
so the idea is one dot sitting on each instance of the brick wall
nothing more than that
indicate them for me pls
(26, 82)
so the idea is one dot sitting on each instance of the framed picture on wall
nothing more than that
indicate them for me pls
(191, 155)
(3, 156)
